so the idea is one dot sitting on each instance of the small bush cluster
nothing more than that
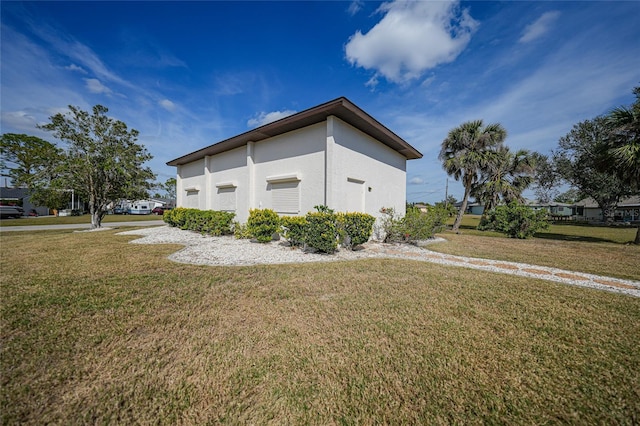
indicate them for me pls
(263, 224)
(321, 231)
(354, 228)
(515, 220)
(210, 222)
(241, 231)
(414, 226)
(293, 229)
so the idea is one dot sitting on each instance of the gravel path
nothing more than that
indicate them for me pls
(207, 250)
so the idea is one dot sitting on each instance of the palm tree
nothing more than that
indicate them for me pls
(504, 177)
(624, 144)
(466, 151)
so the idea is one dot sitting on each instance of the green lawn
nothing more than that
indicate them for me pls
(64, 220)
(597, 250)
(95, 330)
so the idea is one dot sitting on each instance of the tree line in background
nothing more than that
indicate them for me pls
(100, 161)
(598, 158)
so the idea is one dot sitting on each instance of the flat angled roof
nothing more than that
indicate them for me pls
(342, 108)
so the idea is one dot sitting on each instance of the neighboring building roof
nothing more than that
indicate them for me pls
(342, 108)
(627, 202)
(12, 193)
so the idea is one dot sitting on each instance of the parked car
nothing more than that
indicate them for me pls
(120, 210)
(158, 210)
(11, 211)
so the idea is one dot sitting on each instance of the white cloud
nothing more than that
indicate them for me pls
(95, 86)
(268, 117)
(411, 38)
(74, 67)
(168, 105)
(355, 6)
(539, 27)
(416, 181)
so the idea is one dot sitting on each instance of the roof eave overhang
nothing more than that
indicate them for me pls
(341, 108)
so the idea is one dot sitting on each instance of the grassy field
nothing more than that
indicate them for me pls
(95, 330)
(64, 220)
(592, 249)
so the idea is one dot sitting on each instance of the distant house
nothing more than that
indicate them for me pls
(20, 197)
(334, 154)
(556, 210)
(628, 210)
(472, 207)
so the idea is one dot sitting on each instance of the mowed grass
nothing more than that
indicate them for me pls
(65, 220)
(96, 330)
(593, 249)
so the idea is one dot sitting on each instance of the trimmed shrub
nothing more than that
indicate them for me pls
(321, 231)
(293, 229)
(516, 221)
(414, 226)
(241, 232)
(354, 228)
(204, 221)
(262, 224)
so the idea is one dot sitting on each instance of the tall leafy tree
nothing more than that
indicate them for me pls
(102, 161)
(546, 178)
(504, 177)
(466, 151)
(170, 187)
(24, 157)
(623, 145)
(579, 160)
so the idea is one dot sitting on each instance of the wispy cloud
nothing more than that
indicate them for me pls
(539, 27)
(168, 105)
(95, 86)
(268, 117)
(416, 181)
(74, 67)
(355, 6)
(411, 38)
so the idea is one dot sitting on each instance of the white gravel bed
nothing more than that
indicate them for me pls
(207, 250)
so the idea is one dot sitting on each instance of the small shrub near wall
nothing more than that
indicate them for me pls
(354, 228)
(263, 224)
(293, 229)
(321, 231)
(240, 231)
(210, 222)
(414, 226)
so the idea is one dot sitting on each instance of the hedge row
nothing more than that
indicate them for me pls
(322, 230)
(210, 222)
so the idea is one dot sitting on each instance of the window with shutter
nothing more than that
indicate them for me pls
(285, 197)
(227, 199)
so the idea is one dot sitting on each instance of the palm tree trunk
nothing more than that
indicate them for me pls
(463, 207)
(637, 240)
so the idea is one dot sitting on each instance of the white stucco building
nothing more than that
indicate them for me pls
(334, 154)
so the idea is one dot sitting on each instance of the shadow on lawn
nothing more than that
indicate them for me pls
(582, 238)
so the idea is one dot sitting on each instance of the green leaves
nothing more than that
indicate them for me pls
(102, 161)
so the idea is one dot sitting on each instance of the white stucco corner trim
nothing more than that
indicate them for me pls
(290, 177)
(192, 188)
(228, 184)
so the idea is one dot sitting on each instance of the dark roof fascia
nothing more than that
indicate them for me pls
(342, 108)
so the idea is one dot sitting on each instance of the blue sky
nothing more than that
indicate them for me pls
(189, 74)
